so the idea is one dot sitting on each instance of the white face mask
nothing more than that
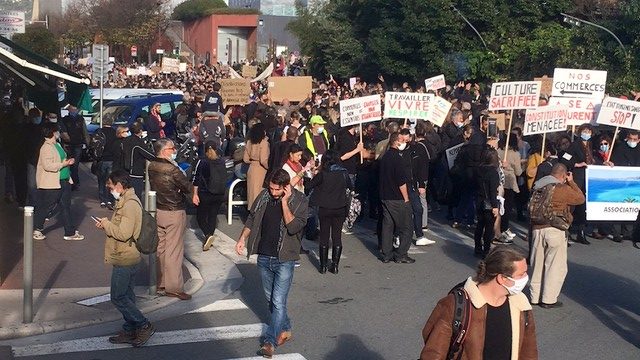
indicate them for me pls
(518, 285)
(173, 156)
(402, 146)
(320, 130)
(632, 144)
(115, 194)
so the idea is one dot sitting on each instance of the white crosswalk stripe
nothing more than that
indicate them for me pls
(163, 338)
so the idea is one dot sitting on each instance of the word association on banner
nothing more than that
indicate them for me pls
(545, 119)
(515, 95)
(408, 105)
(360, 110)
(620, 113)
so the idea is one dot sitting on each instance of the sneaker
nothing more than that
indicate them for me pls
(424, 241)
(208, 243)
(143, 334)
(74, 237)
(347, 230)
(38, 235)
(296, 263)
(508, 233)
(109, 205)
(502, 240)
(266, 351)
(123, 337)
(103, 204)
(455, 225)
(396, 242)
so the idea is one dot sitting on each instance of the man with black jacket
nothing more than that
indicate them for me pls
(75, 137)
(396, 207)
(34, 141)
(136, 151)
(213, 100)
(421, 159)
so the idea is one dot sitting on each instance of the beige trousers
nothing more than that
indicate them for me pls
(171, 227)
(549, 262)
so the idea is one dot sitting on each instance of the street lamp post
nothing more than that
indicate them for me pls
(577, 22)
(454, 8)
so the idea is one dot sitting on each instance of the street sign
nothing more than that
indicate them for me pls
(515, 95)
(100, 67)
(579, 83)
(11, 22)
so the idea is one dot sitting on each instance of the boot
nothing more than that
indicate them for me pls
(324, 258)
(336, 252)
(582, 238)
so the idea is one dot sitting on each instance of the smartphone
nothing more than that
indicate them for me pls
(95, 219)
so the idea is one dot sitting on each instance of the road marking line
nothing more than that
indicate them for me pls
(95, 300)
(221, 305)
(160, 338)
(278, 357)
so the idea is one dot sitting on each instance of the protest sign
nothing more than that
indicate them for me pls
(235, 91)
(546, 85)
(452, 154)
(249, 71)
(545, 119)
(408, 105)
(132, 72)
(170, 65)
(501, 120)
(620, 113)
(293, 88)
(613, 193)
(183, 67)
(435, 83)
(579, 110)
(352, 82)
(439, 111)
(579, 83)
(515, 95)
(360, 110)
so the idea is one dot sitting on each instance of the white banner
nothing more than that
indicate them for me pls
(515, 95)
(579, 83)
(613, 193)
(405, 105)
(618, 112)
(170, 65)
(452, 154)
(439, 111)
(579, 110)
(360, 110)
(435, 83)
(545, 119)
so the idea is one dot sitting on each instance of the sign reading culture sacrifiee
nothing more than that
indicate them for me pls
(515, 95)
(360, 110)
(579, 83)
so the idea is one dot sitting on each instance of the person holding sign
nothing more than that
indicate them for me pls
(578, 156)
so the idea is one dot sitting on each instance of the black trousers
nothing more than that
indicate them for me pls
(207, 212)
(331, 221)
(484, 230)
(509, 202)
(396, 218)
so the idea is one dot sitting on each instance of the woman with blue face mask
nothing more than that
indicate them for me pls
(578, 156)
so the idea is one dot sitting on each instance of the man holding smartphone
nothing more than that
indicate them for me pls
(121, 252)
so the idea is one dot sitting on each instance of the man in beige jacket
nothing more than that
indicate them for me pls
(121, 252)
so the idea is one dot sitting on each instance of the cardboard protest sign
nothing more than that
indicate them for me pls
(547, 85)
(452, 154)
(183, 67)
(235, 91)
(132, 72)
(439, 111)
(579, 83)
(501, 121)
(515, 95)
(360, 110)
(352, 82)
(435, 83)
(545, 119)
(293, 88)
(613, 193)
(249, 71)
(618, 112)
(170, 65)
(579, 110)
(408, 105)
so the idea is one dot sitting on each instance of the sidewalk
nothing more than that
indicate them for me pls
(68, 272)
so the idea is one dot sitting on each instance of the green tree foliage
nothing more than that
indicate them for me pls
(196, 9)
(414, 39)
(39, 40)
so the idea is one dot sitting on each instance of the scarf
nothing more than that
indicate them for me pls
(296, 167)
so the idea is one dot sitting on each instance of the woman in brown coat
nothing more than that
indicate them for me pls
(256, 153)
(501, 321)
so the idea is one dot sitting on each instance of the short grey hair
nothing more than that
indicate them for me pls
(161, 144)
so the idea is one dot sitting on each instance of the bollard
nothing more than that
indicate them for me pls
(147, 185)
(27, 275)
(153, 277)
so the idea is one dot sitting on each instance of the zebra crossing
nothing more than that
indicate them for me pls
(85, 348)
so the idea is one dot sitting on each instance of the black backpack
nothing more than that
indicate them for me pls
(147, 242)
(97, 144)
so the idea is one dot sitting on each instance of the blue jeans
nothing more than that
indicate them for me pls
(277, 277)
(104, 169)
(416, 207)
(124, 299)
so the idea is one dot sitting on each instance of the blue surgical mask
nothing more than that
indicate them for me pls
(632, 144)
(585, 136)
(604, 148)
(37, 120)
(174, 156)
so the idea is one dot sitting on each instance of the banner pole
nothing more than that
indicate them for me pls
(361, 155)
(544, 140)
(506, 144)
(613, 142)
